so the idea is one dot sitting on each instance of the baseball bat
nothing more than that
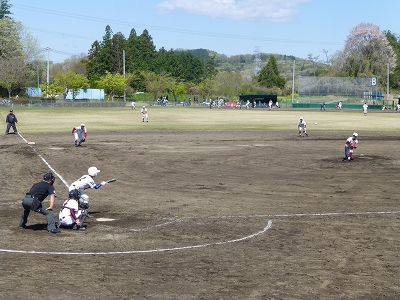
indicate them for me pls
(111, 180)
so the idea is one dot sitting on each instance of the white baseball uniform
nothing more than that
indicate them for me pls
(302, 126)
(69, 210)
(145, 114)
(79, 134)
(365, 108)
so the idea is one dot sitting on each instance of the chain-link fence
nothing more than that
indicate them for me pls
(338, 88)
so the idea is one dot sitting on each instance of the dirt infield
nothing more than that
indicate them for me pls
(207, 215)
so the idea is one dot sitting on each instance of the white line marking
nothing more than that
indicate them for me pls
(269, 224)
(41, 157)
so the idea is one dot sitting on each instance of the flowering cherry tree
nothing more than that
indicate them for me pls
(367, 52)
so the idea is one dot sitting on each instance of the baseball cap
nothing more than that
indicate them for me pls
(355, 134)
(11, 110)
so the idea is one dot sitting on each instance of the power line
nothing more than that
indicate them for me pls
(191, 32)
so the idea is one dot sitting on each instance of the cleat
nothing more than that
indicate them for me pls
(54, 231)
(78, 227)
(22, 227)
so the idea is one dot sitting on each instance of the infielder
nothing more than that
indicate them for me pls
(302, 126)
(72, 213)
(86, 182)
(145, 114)
(349, 146)
(80, 134)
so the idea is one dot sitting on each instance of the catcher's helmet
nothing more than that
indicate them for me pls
(93, 171)
(49, 176)
(75, 194)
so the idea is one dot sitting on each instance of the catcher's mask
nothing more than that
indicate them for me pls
(75, 194)
(84, 201)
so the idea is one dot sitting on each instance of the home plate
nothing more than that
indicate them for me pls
(104, 219)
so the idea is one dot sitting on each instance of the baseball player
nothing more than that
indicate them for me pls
(133, 105)
(349, 146)
(302, 126)
(365, 108)
(72, 213)
(11, 120)
(86, 182)
(145, 114)
(80, 134)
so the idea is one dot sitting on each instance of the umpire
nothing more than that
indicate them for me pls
(33, 201)
(11, 120)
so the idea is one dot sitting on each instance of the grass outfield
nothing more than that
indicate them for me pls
(36, 120)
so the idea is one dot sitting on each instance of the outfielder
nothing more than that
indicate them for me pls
(80, 134)
(302, 126)
(349, 146)
(365, 108)
(145, 114)
(86, 182)
(72, 213)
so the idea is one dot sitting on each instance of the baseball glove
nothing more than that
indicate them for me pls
(353, 144)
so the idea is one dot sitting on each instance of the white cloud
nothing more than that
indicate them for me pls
(260, 10)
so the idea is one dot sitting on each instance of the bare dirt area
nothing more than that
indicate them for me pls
(207, 215)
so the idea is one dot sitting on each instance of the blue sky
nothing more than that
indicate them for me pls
(291, 27)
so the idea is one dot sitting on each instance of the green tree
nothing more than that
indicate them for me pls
(176, 88)
(394, 79)
(71, 81)
(269, 75)
(113, 85)
(118, 45)
(10, 38)
(51, 90)
(156, 83)
(367, 52)
(13, 73)
(228, 83)
(5, 9)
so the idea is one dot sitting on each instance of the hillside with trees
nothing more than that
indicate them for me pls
(184, 72)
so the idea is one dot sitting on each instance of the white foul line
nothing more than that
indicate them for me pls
(269, 224)
(47, 164)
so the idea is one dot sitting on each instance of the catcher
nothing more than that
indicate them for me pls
(349, 146)
(72, 213)
(80, 134)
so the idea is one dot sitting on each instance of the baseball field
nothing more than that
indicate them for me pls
(208, 204)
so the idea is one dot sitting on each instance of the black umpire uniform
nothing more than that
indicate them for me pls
(33, 201)
(11, 120)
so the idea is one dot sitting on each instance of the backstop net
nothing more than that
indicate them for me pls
(330, 89)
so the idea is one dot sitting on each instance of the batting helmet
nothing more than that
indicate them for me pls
(84, 201)
(93, 171)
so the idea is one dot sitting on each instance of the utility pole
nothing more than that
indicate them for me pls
(48, 66)
(294, 63)
(123, 60)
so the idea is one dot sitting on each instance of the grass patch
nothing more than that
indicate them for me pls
(63, 119)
